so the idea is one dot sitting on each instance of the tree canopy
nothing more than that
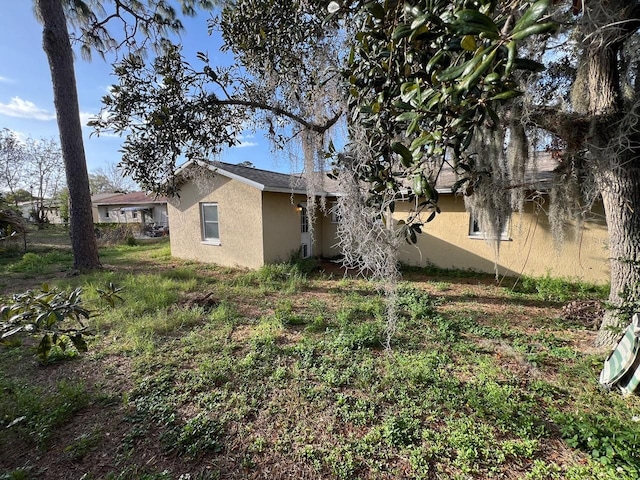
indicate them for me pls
(477, 86)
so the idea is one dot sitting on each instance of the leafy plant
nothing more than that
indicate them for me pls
(110, 294)
(54, 314)
(606, 439)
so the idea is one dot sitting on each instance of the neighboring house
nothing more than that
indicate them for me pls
(248, 217)
(244, 217)
(51, 210)
(134, 207)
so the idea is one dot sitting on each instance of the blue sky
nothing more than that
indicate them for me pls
(26, 98)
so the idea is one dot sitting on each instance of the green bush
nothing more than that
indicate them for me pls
(559, 289)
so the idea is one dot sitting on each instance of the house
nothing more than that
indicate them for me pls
(240, 216)
(134, 207)
(51, 208)
(454, 241)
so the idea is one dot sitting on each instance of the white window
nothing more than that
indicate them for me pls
(476, 232)
(210, 226)
(335, 217)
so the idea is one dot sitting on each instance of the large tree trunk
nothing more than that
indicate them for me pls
(615, 166)
(56, 44)
(621, 196)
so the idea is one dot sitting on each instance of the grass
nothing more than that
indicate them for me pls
(281, 373)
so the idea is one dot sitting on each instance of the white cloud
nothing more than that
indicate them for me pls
(5, 79)
(85, 117)
(24, 109)
(244, 143)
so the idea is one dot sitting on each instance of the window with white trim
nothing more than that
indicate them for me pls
(476, 232)
(210, 225)
(335, 216)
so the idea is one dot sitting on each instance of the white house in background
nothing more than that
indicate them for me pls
(134, 207)
(51, 209)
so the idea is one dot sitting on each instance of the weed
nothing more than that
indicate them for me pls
(556, 289)
(34, 413)
(607, 440)
(83, 445)
(401, 430)
(37, 264)
(285, 314)
(55, 316)
(199, 435)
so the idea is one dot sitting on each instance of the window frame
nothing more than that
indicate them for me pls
(204, 221)
(478, 234)
(335, 217)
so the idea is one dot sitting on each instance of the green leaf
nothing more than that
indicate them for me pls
(401, 31)
(454, 72)
(528, 64)
(512, 50)
(376, 10)
(44, 347)
(400, 149)
(419, 21)
(79, 342)
(472, 22)
(407, 116)
(506, 95)
(470, 80)
(537, 29)
(531, 16)
(468, 43)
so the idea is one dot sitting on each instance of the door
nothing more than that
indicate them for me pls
(305, 236)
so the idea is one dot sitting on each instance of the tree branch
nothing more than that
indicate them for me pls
(571, 127)
(314, 127)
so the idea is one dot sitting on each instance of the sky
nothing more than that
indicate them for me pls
(26, 94)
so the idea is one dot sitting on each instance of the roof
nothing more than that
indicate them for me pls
(263, 180)
(537, 176)
(126, 198)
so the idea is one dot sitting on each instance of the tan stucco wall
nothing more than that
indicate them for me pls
(445, 242)
(240, 224)
(282, 235)
(281, 225)
(329, 236)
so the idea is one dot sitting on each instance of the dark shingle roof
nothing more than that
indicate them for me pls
(538, 174)
(269, 180)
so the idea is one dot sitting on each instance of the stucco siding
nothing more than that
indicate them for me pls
(281, 225)
(329, 233)
(445, 242)
(240, 224)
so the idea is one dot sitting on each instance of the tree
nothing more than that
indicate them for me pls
(56, 44)
(44, 170)
(90, 19)
(475, 85)
(110, 179)
(476, 90)
(20, 195)
(12, 160)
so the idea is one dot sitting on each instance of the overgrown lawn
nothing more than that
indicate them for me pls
(207, 372)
